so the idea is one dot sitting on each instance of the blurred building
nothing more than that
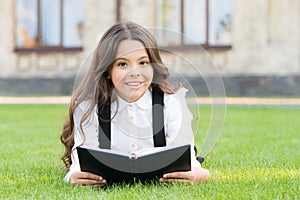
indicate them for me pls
(255, 44)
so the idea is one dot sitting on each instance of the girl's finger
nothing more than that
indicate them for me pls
(166, 180)
(177, 175)
(90, 182)
(86, 175)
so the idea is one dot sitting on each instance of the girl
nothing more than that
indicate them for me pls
(126, 67)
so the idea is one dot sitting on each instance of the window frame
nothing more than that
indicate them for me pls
(39, 48)
(206, 45)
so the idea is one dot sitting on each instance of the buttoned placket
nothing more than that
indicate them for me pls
(132, 116)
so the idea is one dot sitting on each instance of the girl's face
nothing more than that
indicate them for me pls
(131, 72)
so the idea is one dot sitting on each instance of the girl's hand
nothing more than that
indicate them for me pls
(196, 175)
(86, 178)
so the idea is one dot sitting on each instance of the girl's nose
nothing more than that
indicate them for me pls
(135, 71)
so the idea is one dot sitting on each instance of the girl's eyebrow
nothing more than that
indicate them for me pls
(140, 58)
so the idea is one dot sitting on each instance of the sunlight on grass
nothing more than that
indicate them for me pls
(262, 174)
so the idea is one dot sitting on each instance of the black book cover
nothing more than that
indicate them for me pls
(118, 167)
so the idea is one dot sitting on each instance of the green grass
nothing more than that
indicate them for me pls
(256, 157)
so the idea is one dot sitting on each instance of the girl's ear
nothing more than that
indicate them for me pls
(108, 77)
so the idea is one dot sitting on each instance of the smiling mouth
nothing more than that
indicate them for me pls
(134, 83)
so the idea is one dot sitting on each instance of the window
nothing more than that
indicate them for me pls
(48, 25)
(202, 22)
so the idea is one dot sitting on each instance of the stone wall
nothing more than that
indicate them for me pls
(30, 64)
(7, 56)
(266, 42)
(266, 37)
(47, 65)
(99, 16)
(243, 86)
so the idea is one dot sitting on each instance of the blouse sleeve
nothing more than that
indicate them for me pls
(90, 129)
(178, 122)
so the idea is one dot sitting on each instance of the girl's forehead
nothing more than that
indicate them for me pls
(126, 47)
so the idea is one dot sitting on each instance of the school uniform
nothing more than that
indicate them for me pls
(131, 126)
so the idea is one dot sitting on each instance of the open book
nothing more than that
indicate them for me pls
(144, 166)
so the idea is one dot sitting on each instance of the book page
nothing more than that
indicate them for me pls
(149, 150)
(111, 151)
(133, 155)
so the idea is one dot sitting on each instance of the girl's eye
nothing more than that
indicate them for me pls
(144, 63)
(122, 64)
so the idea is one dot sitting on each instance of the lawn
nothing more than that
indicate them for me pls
(257, 157)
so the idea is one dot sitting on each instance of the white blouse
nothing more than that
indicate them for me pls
(131, 127)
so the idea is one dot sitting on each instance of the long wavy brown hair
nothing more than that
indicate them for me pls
(97, 88)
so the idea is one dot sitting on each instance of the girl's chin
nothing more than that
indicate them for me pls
(134, 95)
